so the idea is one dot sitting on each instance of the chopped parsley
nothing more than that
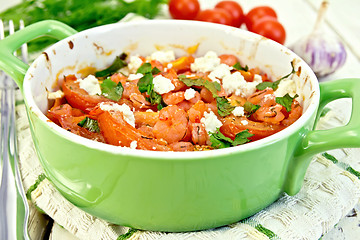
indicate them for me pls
(286, 101)
(218, 140)
(223, 106)
(111, 90)
(213, 87)
(237, 66)
(89, 124)
(118, 63)
(145, 84)
(250, 108)
(275, 85)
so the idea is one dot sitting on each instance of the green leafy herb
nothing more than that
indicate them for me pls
(115, 66)
(78, 14)
(144, 82)
(144, 68)
(218, 140)
(111, 90)
(237, 66)
(223, 106)
(89, 124)
(250, 108)
(275, 85)
(242, 137)
(213, 87)
(286, 101)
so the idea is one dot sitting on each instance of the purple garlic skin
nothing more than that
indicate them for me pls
(322, 53)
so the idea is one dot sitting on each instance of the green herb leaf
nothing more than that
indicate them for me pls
(213, 87)
(144, 68)
(237, 66)
(155, 71)
(242, 137)
(275, 85)
(286, 101)
(250, 108)
(115, 66)
(89, 124)
(144, 82)
(111, 90)
(223, 106)
(218, 140)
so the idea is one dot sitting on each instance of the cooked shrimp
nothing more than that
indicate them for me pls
(256, 97)
(172, 124)
(199, 135)
(173, 98)
(172, 75)
(139, 101)
(196, 112)
(269, 114)
(182, 146)
(146, 118)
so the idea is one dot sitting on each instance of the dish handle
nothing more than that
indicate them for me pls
(12, 65)
(318, 141)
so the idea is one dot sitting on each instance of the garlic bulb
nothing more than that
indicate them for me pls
(324, 54)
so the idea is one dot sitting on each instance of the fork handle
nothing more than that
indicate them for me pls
(12, 65)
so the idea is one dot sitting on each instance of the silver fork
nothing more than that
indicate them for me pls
(14, 209)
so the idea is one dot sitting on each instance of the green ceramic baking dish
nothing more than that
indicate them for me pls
(168, 191)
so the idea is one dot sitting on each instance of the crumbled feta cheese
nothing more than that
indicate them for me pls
(124, 109)
(207, 63)
(220, 72)
(169, 66)
(133, 144)
(235, 83)
(135, 76)
(162, 84)
(238, 111)
(244, 122)
(286, 86)
(134, 63)
(90, 84)
(149, 110)
(211, 122)
(163, 56)
(189, 93)
(257, 78)
(55, 95)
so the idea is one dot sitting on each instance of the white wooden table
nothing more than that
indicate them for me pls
(298, 17)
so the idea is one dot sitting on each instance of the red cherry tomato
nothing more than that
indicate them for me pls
(216, 15)
(184, 9)
(235, 11)
(256, 14)
(271, 28)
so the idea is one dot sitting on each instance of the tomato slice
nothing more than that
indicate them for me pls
(78, 97)
(233, 125)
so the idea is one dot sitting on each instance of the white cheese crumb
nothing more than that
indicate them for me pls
(133, 144)
(135, 76)
(235, 83)
(220, 72)
(149, 110)
(286, 86)
(55, 95)
(134, 63)
(189, 93)
(211, 122)
(257, 78)
(162, 84)
(163, 56)
(90, 84)
(169, 66)
(238, 111)
(124, 109)
(244, 122)
(207, 63)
